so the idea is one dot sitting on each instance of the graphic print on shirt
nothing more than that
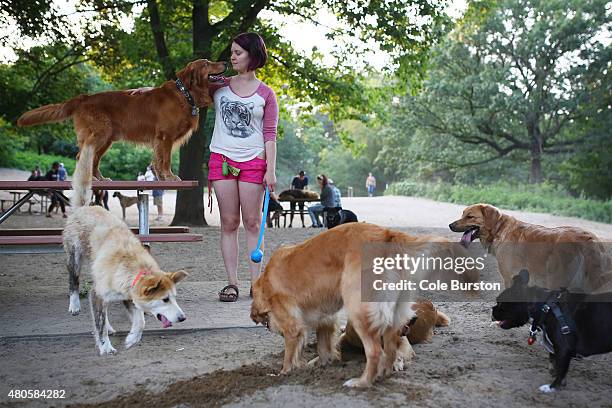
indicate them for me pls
(237, 117)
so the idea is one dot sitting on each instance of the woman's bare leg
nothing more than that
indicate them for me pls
(226, 192)
(251, 198)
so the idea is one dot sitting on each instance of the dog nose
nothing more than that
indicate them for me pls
(182, 318)
(225, 64)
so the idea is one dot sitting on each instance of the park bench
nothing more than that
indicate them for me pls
(49, 240)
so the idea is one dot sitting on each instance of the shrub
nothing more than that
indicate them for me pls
(544, 197)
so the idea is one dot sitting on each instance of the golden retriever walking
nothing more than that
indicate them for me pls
(555, 257)
(304, 286)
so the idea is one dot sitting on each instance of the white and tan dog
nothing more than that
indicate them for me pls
(121, 268)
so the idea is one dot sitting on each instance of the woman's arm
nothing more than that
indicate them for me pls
(270, 176)
(270, 123)
(140, 90)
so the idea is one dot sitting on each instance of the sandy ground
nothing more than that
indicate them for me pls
(218, 358)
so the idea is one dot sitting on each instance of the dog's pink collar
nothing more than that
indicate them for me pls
(141, 273)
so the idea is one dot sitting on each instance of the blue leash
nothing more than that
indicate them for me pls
(257, 254)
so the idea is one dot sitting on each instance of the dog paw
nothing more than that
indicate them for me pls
(75, 304)
(356, 383)
(398, 364)
(132, 339)
(107, 348)
(74, 309)
(546, 388)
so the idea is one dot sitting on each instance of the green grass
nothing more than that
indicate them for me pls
(122, 162)
(544, 198)
(28, 160)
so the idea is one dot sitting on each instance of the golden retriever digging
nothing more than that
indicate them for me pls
(555, 257)
(304, 286)
(163, 117)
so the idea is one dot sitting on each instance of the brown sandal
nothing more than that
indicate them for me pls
(226, 296)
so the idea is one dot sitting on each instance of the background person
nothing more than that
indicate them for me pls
(327, 200)
(62, 174)
(158, 195)
(158, 201)
(53, 175)
(101, 198)
(336, 194)
(371, 185)
(299, 182)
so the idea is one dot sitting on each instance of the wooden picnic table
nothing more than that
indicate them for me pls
(38, 187)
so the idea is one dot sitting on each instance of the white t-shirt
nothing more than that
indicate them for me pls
(243, 124)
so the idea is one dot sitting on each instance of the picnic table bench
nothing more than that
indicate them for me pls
(42, 200)
(49, 240)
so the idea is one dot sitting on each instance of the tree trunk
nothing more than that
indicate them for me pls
(190, 208)
(190, 203)
(535, 137)
(160, 42)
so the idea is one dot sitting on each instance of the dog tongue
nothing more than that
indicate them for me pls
(165, 322)
(466, 238)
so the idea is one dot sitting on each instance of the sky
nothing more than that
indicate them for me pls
(291, 28)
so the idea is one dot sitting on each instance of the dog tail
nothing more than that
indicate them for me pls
(442, 320)
(56, 112)
(81, 179)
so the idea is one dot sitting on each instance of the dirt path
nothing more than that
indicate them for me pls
(218, 358)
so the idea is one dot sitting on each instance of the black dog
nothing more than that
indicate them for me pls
(571, 324)
(337, 216)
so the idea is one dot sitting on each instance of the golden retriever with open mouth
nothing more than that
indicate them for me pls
(164, 117)
(555, 257)
(304, 286)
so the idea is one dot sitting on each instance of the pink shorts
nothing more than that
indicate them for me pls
(251, 171)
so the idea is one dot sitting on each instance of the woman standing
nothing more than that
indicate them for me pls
(243, 153)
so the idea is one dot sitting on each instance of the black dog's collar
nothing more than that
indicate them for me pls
(183, 89)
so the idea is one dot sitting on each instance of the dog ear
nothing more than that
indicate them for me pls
(186, 74)
(490, 215)
(177, 276)
(522, 278)
(151, 285)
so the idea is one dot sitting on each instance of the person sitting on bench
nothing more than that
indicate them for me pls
(327, 200)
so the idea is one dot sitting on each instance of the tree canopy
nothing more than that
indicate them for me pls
(514, 90)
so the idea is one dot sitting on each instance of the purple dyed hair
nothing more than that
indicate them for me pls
(255, 46)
